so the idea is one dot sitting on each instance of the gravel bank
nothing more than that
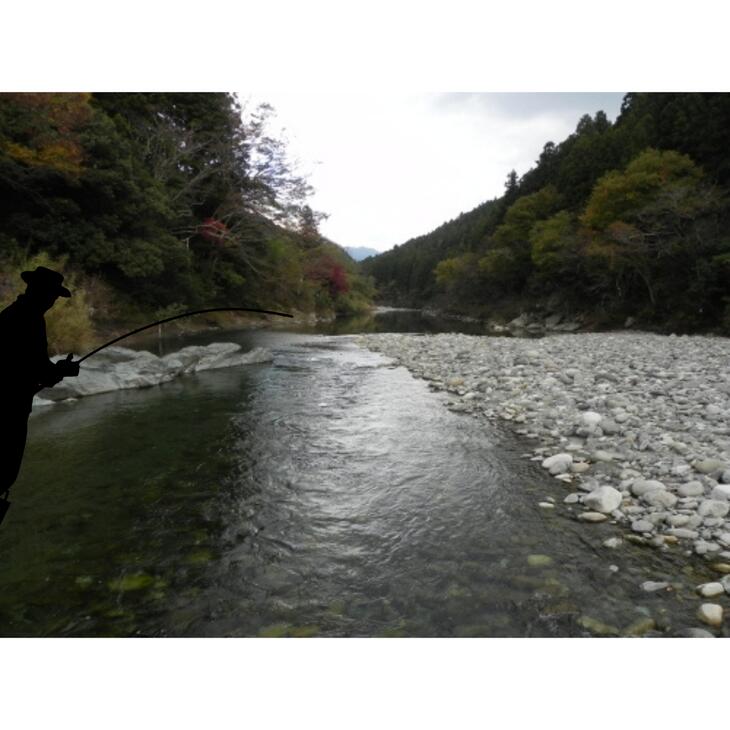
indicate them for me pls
(636, 425)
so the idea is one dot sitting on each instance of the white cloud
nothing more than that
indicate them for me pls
(390, 167)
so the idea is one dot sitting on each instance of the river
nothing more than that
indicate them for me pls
(328, 493)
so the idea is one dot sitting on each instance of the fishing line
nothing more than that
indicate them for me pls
(179, 316)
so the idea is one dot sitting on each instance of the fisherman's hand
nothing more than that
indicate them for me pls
(67, 368)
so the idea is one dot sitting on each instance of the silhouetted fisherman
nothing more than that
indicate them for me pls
(25, 367)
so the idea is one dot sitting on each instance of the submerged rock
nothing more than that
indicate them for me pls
(710, 613)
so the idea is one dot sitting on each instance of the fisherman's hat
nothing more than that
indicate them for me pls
(46, 279)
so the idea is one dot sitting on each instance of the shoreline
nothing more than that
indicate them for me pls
(633, 427)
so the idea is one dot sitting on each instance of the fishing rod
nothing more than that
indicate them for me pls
(179, 316)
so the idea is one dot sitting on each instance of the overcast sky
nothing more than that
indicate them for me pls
(390, 167)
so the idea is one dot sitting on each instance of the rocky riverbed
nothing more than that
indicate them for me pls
(634, 428)
(117, 368)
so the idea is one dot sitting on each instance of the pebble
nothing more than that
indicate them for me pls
(721, 491)
(713, 508)
(710, 590)
(580, 467)
(707, 466)
(642, 526)
(691, 489)
(696, 634)
(558, 463)
(603, 499)
(710, 613)
(592, 517)
(650, 586)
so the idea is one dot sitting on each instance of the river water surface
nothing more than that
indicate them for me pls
(328, 493)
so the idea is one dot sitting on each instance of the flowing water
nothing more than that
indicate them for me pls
(328, 493)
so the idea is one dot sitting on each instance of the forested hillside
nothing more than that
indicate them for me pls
(153, 203)
(625, 218)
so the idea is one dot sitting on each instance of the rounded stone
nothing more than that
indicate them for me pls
(642, 526)
(659, 498)
(640, 487)
(691, 489)
(711, 614)
(558, 463)
(592, 517)
(651, 586)
(710, 590)
(713, 508)
(721, 492)
(603, 499)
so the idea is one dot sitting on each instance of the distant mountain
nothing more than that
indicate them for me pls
(360, 252)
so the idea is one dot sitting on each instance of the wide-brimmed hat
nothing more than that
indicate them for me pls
(46, 279)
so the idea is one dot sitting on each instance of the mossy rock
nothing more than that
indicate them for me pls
(84, 581)
(133, 582)
(394, 632)
(640, 626)
(304, 631)
(562, 608)
(275, 631)
(456, 591)
(199, 557)
(337, 607)
(595, 626)
(539, 561)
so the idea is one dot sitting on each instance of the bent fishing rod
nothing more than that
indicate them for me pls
(177, 316)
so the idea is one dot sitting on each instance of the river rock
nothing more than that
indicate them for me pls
(713, 508)
(710, 613)
(641, 487)
(603, 499)
(707, 466)
(591, 419)
(642, 526)
(659, 498)
(651, 586)
(580, 467)
(710, 590)
(696, 634)
(592, 517)
(691, 489)
(721, 491)
(558, 463)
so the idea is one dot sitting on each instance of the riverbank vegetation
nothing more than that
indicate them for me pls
(154, 203)
(620, 219)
